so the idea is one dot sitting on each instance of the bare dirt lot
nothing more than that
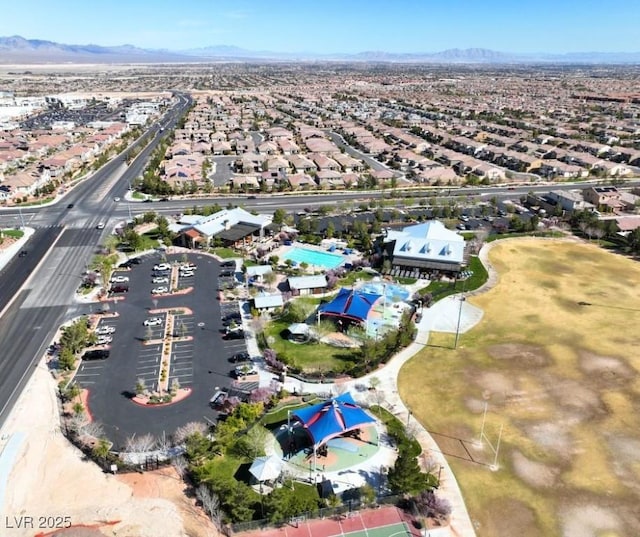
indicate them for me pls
(50, 478)
(556, 360)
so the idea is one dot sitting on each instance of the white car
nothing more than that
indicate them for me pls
(119, 279)
(104, 340)
(162, 266)
(100, 225)
(188, 266)
(160, 279)
(187, 274)
(116, 199)
(153, 321)
(159, 290)
(105, 330)
(245, 370)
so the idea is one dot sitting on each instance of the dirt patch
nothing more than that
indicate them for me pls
(535, 474)
(578, 403)
(589, 520)
(524, 355)
(605, 372)
(509, 517)
(551, 436)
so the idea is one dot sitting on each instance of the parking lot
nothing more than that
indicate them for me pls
(200, 348)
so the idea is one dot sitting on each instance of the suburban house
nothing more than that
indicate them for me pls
(424, 248)
(233, 227)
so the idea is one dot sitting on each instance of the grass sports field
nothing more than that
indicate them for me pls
(556, 358)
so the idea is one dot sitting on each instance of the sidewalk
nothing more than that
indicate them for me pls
(449, 315)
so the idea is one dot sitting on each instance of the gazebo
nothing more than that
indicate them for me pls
(330, 419)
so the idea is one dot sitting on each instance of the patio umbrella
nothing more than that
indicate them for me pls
(266, 468)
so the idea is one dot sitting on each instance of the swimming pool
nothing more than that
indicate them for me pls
(314, 257)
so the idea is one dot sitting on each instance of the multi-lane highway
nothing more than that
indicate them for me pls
(45, 280)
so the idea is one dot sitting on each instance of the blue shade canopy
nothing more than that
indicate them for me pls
(350, 303)
(332, 418)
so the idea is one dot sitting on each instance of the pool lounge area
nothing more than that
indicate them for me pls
(315, 258)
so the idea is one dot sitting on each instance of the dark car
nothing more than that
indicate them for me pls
(96, 354)
(70, 206)
(240, 357)
(22, 253)
(147, 200)
(227, 274)
(119, 288)
(234, 334)
(228, 264)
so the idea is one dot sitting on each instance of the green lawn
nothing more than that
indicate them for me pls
(441, 289)
(280, 413)
(353, 276)
(224, 253)
(13, 233)
(138, 195)
(311, 357)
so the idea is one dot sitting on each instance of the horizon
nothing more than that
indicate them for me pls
(288, 27)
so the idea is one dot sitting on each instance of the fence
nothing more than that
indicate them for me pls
(323, 512)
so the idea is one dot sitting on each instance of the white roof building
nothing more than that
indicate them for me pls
(426, 246)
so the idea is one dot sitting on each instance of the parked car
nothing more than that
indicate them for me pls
(188, 266)
(162, 266)
(119, 288)
(159, 290)
(96, 354)
(105, 329)
(228, 264)
(234, 334)
(119, 279)
(245, 370)
(160, 279)
(104, 340)
(153, 321)
(187, 274)
(240, 357)
(218, 399)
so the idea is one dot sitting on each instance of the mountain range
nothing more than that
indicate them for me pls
(16, 49)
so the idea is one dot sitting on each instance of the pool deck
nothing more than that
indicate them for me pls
(281, 252)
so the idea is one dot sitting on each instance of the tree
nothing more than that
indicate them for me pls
(279, 216)
(270, 278)
(405, 476)
(101, 449)
(210, 503)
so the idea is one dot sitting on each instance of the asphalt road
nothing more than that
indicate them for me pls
(30, 321)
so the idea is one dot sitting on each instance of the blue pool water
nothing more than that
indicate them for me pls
(314, 257)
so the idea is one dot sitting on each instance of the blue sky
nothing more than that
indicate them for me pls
(333, 25)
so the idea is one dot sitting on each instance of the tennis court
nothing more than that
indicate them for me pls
(382, 522)
(392, 530)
